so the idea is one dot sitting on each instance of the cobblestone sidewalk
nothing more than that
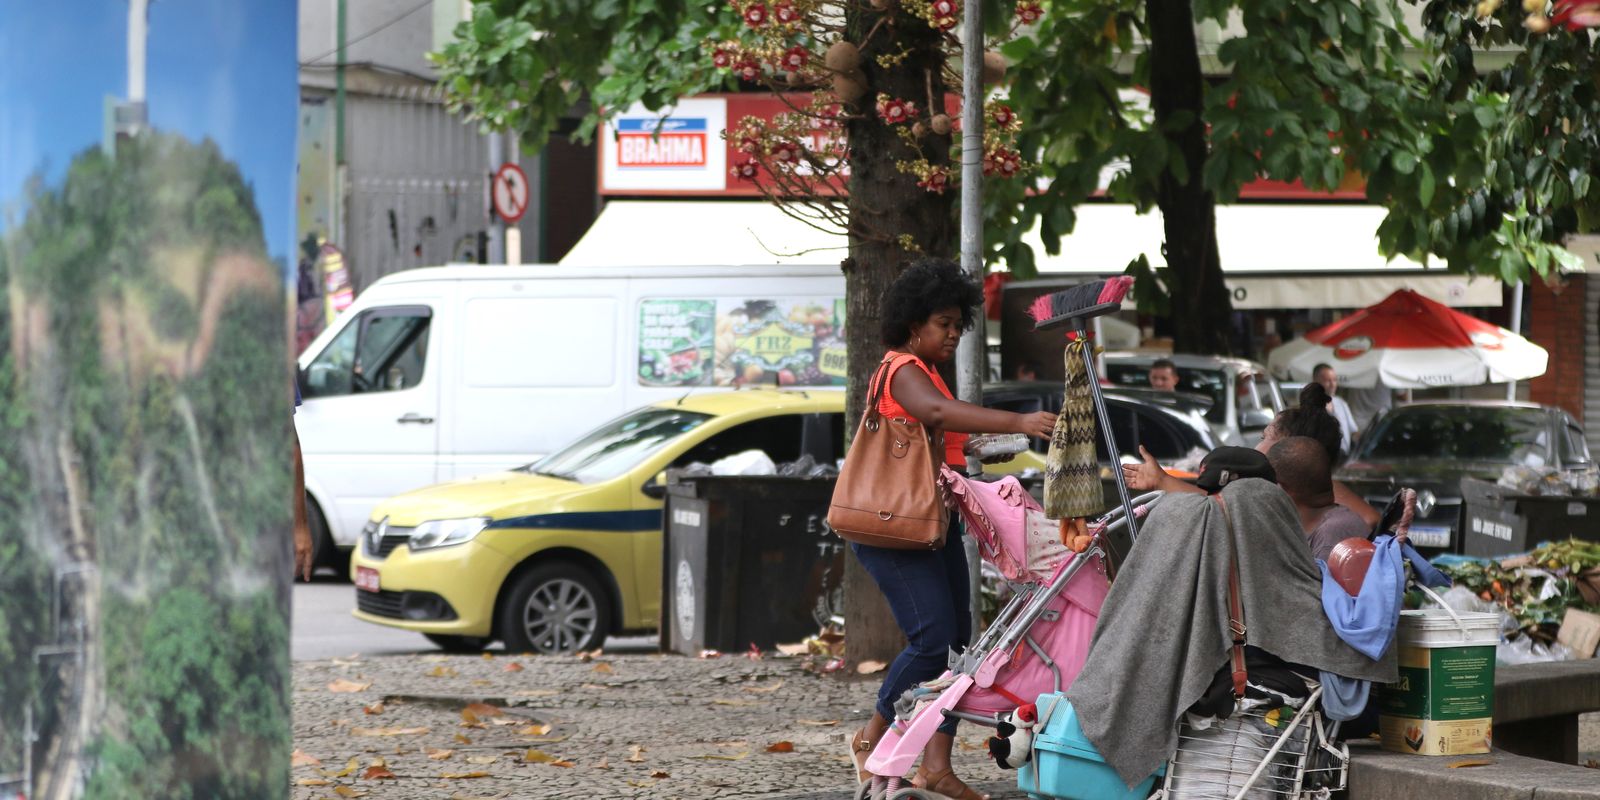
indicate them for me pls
(626, 726)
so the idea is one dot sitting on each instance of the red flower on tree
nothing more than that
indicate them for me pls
(1002, 162)
(748, 69)
(894, 111)
(746, 170)
(1002, 116)
(1029, 13)
(936, 179)
(755, 15)
(723, 57)
(784, 12)
(944, 13)
(795, 58)
(1577, 14)
(786, 152)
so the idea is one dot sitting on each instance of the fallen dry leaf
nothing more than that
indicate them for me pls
(534, 730)
(721, 702)
(773, 687)
(462, 739)
(387, 731)
(456, 776)
(561, 762)
(345, 791)
(604, 764)
(441, 671)
(1475, 762)
(514, 667)
(476, 711)
(781, 747)
(793, 649)
(344, 686)
(377, 773)
(313, 782)
(869, 667)
(482, 682)
(533, 756)
(819, 723)
(590, 655)
(375, 708)
(637, 754)
(594, 686)
(721, 757)
(350, 768)
(299, 759)
(603, 668)
(482, 759)
(660, 774)
(438, 754)
(488, 656)
(711, 654)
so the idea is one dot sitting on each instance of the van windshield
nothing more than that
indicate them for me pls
(618, 446)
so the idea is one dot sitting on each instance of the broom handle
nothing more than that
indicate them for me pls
(1105, 430)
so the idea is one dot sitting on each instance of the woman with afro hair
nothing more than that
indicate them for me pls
(925, 311)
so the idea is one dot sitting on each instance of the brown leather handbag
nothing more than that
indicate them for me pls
(886, 495)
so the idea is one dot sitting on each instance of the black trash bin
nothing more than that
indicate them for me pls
(747, 560)
(1496, 521)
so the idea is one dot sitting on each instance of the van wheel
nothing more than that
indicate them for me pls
(555, 608)
(324, 553)
(458, 644)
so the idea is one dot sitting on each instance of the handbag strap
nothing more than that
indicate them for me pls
(876, 387)
(1236, 626)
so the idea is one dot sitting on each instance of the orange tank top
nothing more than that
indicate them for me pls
(889, 407)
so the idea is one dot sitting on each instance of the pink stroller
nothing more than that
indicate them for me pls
(1036, 644)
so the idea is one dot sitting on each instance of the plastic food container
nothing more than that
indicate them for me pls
(994, 445)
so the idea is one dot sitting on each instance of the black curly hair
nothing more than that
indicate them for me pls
(1312, 420)
(926, 286)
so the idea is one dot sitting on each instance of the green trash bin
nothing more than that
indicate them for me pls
(747, 560)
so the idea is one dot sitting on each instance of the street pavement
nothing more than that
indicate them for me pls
(616, 726)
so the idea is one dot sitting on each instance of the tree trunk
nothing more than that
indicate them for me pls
(886, 204)
(1200, 304)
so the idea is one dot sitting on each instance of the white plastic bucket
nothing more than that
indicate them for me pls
(1443, 703)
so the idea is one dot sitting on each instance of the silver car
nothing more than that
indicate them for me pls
(1244, 396)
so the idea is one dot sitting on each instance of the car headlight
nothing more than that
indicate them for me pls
(446, 532)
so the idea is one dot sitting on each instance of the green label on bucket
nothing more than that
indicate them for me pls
(1454, 683)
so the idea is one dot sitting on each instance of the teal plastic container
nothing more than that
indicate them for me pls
(1066, 765)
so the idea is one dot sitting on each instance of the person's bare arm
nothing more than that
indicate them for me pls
(1148, 476)
(302, 532)
(1345, 496)
(922, 400)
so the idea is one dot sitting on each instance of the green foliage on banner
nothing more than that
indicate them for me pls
(149, 403)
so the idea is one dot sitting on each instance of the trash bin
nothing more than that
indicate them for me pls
(1496, 521)
(747, 560)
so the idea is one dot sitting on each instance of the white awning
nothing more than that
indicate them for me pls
(1273, 256)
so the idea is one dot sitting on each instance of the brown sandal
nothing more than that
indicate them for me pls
(860, 751)
(946, 784)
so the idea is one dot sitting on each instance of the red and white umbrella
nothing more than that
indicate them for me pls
(1410, 342)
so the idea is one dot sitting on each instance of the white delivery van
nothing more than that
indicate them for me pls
(447, 372)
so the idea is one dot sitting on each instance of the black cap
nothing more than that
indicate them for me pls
(1226, 464)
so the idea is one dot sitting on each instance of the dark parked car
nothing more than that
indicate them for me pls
(1431, 446)
(1170, 425)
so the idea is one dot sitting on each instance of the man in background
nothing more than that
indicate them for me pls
(1367, 405)
(1164, 375)
(1340, 410)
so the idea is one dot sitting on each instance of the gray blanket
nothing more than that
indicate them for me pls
(1163, 632)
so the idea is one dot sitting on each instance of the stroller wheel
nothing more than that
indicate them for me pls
(871, 789)
(915, 794)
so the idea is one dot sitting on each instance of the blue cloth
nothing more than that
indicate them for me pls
(1424, 572)
(1343, 699)
(927, 593)
(1367, 621)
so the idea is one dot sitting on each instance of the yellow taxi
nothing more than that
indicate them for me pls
(555, 556)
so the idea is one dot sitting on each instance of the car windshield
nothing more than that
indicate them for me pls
(1461, 433)
(618, 446)
(1212, 383)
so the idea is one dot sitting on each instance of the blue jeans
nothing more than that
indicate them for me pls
(928, 592)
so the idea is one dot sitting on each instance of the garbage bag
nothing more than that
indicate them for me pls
(747, 463)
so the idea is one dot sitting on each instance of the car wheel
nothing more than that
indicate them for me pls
(458, 644)
(555, 608)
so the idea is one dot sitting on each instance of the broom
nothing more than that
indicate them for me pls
(1079, 303)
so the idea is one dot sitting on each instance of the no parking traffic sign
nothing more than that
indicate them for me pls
(510, 192)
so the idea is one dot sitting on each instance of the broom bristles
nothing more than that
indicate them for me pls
(1078, 298)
